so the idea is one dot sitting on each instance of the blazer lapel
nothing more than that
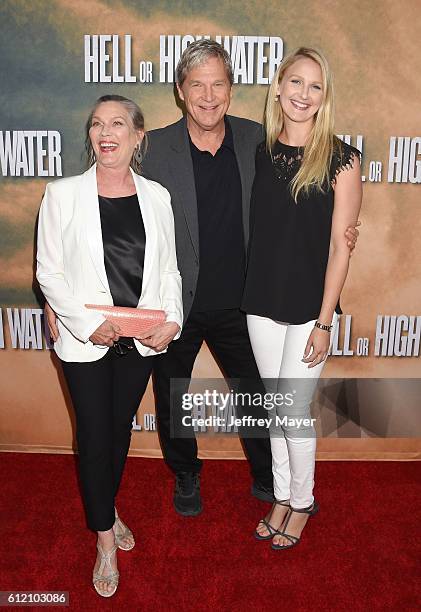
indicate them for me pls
(145, 197)
(181, 166)
(88, 197)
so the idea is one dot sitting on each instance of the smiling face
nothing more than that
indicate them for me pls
(206, 92)
(113, 136)
(301, 90)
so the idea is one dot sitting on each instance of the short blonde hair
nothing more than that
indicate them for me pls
(318, 152)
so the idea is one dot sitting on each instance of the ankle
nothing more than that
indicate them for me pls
(305, 510)
(106, 538)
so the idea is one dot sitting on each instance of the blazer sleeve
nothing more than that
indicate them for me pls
(51, 276)
(171, 288)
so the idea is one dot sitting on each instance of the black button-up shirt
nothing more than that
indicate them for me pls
(221, 237)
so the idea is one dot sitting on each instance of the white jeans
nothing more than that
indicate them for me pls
(278, 349)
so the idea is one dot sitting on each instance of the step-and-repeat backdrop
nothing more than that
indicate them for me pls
(58, 57)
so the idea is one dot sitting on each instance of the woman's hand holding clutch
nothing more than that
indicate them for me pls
(159, 336)
(106, 334)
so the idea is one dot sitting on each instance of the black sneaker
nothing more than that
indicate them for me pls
(187, 500)
(261, 492)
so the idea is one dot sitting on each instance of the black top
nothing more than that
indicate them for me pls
(124, 240)
(221, 237)
(289, 242)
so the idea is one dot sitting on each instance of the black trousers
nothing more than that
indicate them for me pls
(225, 332)
(105, 395)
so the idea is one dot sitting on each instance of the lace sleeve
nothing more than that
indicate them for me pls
(343, 159)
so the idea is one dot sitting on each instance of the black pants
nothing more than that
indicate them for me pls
(106, 395)
(225, 332)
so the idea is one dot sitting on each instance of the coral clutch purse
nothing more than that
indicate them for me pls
(132, 321)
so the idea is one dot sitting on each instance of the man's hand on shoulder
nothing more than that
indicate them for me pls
(351, 235)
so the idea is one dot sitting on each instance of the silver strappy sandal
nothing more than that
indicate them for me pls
(121, 531)
(112, 578)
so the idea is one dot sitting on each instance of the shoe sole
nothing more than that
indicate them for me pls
(121, 547)
(262, 538)
(188, 512)
(105, 594)
(288, 546)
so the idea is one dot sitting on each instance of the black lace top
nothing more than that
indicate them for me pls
(289, 241)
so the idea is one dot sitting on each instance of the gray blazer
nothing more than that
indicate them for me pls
(168, 161)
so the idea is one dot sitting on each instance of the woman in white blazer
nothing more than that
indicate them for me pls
(107, 237)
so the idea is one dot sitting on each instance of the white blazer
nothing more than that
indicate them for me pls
(70, 260)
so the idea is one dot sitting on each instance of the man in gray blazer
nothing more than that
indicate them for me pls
(206, 161)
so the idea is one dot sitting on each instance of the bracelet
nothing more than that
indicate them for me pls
(327, 328)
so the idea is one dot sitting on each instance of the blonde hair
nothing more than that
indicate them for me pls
(321, 143)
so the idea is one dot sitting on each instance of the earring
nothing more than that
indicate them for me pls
(137, 154)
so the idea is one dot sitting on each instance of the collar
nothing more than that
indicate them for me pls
(228, 141)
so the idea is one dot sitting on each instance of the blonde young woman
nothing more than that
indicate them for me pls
(306, 192)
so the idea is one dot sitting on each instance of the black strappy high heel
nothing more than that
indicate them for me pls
(311, 511)
(272, 531)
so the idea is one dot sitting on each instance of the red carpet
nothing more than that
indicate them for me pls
(361, 552)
